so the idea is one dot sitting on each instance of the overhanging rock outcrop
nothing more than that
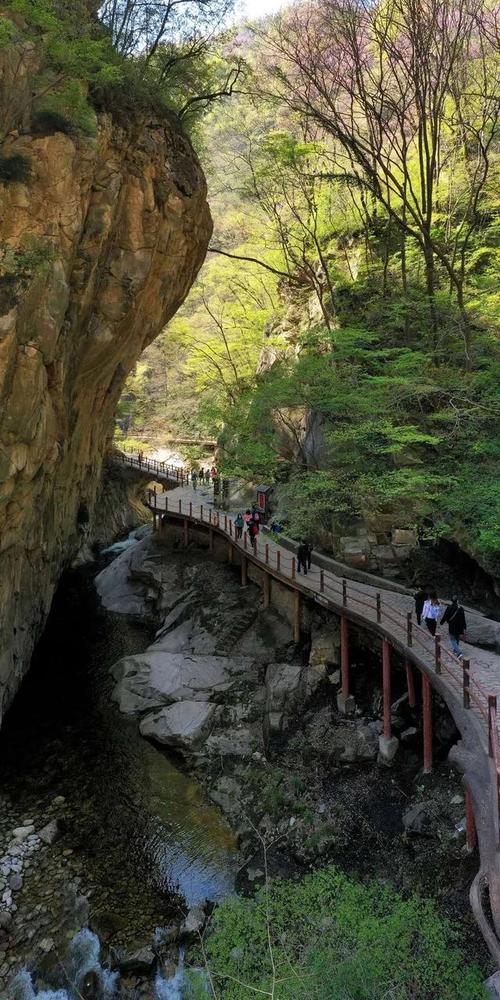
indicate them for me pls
(115, 230)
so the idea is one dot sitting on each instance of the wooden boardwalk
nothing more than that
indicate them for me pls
(469, 686)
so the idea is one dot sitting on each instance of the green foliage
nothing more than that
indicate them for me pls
(18, 267)
(14, 168)
(328, 937)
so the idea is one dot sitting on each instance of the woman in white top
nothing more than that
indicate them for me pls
(431, 611)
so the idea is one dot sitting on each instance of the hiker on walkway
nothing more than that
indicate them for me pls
(454, 616)
(253, 531)
(194, 478)
(247, 517)
(420, 599)
(239, 524)
(309, 547)
(213, 471)
(431, 612)
(202, 475)
(302, 557)
(276, 527)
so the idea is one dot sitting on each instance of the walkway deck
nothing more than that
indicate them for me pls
(470, 686)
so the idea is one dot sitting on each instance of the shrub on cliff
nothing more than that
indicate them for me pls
(331, 938)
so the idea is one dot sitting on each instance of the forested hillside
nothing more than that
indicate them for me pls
(354, 357)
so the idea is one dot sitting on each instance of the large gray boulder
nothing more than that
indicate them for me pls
(324, 654)
(137, 580)
(158, 677)
(284, 687)
(184, 725)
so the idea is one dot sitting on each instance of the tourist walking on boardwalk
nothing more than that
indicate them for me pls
(420, 599)
(194, 478)
(247, 517)
(309, 547)
(202, 475)
(302, 556)
(454, 617)
(253, 531)
(431, 612)
(239, 524)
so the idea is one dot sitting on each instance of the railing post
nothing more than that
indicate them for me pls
(492, 704)
(267, 590)
(190, 508)
(386, 686)
(267, 554)
(180, 506)
(409, 628)
(466, 682)
(344, 591)
(379, 609)
(278, 560)
(231, 527)
(437, 653)
(470, 825)
(245, 543)
(210, 516)
(225, 522)
(201, 513)
(296, 616)
(322, 581)
(427, 712)
(293, 567)
(166, 504)
(410, 685)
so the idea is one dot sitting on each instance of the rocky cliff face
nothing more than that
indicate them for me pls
(104, 239)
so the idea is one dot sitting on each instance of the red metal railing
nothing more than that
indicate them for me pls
(343, 593)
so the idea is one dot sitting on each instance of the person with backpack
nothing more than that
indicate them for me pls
(202, 475)
(253, 531)
(431, 612)
(302, 557)
(239, 524)
(454, 617)
(194, 478)
(420, 599)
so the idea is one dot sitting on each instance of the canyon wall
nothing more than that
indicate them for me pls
(105, 238)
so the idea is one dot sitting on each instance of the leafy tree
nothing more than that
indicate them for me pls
(328, 937)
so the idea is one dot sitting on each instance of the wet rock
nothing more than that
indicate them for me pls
(139, 962)
(408, 734)
(5, 919)
(419, 819)
(23, 832)
(50, 833)
(184, 725)
(227, 795)
(194, 922)
(492, 985)
(15, 883)
(366, 743)
(59, 800)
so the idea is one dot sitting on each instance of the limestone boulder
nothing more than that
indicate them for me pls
(324, 654)
(184, 725)
(285, 688)
(158, 677)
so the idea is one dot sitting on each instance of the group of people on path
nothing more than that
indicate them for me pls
(251, 521)
(428, 608)
(203, 476)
